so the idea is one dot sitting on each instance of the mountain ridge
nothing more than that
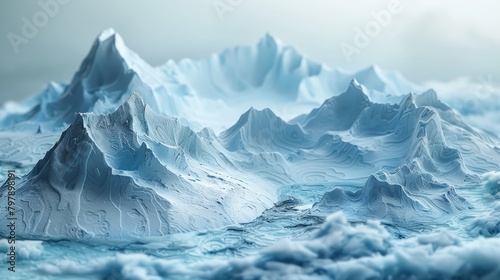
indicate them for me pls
(231, 79)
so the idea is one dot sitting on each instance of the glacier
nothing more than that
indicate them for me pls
(253, 163)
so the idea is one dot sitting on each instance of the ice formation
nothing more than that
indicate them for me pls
(133, 174)
(208, 93)
(206, 160)
(404, 198)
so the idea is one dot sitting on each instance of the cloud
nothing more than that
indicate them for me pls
(487, 224)
(492, 180)
(337, 250)
(120, 266)
(25, 249)
(344, 251)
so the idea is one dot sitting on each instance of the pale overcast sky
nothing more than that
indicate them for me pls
(425, 39)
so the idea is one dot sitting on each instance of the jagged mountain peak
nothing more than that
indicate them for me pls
(106, 34)
(112, 43)
(339, 112)
(136, 117)
(134, 106)
(269, 40)
(265, 115)
(263, 131)
(400, 174)
(357, 89)
(355, 95)
(253, 112)
(275, 74)
(374, 75)
(430, 98)
(251, 118)
(408, 102)
(134, 156)
(386, 81)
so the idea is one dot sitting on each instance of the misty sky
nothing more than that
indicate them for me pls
(425, 40)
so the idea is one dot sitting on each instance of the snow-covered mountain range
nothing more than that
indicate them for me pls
(150, 151)
(208, 93)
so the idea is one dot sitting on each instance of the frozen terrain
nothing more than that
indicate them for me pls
(253, 163)
(134, 174)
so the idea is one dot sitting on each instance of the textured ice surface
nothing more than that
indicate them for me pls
(403, 198)
(134, 174)
(349, 136)
(236, 166)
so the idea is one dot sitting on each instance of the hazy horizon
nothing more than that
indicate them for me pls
(424, 41)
